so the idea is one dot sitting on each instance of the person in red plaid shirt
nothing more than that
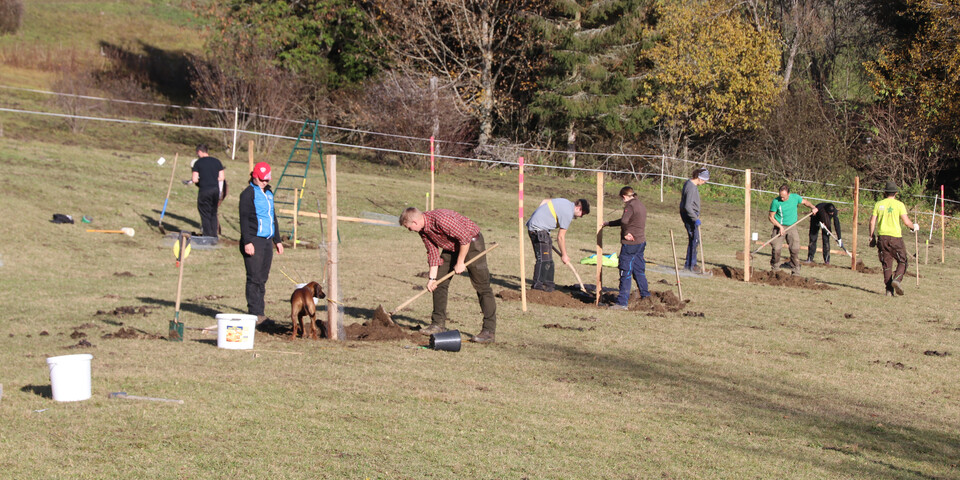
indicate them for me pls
(452, 239)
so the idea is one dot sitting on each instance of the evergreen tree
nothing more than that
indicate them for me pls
(591, 85)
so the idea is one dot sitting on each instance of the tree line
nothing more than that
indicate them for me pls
(815, 89)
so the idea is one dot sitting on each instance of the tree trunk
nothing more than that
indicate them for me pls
(486, 81)
(571, 144)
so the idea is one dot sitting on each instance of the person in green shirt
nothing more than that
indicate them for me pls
(886, 236)
(783, 214)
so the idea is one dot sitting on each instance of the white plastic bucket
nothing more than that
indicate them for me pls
(70, 377)
(235, 330)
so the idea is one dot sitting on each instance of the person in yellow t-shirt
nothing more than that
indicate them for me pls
(886, 236)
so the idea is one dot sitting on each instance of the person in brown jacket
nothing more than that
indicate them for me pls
(633, 242)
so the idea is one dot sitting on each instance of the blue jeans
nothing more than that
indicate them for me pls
(693, 239)
(632, 266)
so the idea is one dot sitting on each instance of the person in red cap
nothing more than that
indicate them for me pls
(259, 234)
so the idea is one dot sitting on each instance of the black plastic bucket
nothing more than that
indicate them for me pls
(449, 341)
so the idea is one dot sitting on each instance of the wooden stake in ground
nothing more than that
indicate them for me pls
(296, 214)
(250, 155)
(856, 216)
(432, 169)
(943, 228)
(703, 261)
(746, 226)
(599, 237)
(167, 198)
(333, 279)
(676, 265)
(916, 241)
(236, 123)
(520, 236)
(933, 218)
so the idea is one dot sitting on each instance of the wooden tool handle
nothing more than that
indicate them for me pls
(444, 278)
(172, 172)
(574, 270)
(784, 231)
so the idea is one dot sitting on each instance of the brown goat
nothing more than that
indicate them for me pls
(301, 304)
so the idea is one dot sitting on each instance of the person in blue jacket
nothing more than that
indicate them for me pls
(259, 235)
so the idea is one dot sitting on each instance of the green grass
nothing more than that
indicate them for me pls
(771, 383)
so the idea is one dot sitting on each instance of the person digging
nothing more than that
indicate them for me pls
(552, 213)
(451, 240)
(820, 225)
(783, 214)
(885, 234)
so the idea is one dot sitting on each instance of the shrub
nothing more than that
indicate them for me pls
(11, 16)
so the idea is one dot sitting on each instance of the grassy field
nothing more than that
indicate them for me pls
(770, 382)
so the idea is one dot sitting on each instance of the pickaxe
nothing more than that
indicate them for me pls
(785, 230)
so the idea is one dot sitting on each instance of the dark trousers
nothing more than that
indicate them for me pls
(693, 239)
(812, 248)
(207, 206)
(258, 270)
(632, 267)
(544, 268)
(892, 249)
(479, 278)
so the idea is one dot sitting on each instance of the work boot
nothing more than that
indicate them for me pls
(896, 287)
(889, 293)
(483, 337)
(617, 306)
(432, 329)
(261, 319)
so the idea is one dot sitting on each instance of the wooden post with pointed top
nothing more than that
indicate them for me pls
(250, 154)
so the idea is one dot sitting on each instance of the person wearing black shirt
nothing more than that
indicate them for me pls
(207, 176)
(820, 224)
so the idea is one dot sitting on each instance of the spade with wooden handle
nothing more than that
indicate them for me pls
(167, 199)
(785, 230)
(444, 278)
(125, 230)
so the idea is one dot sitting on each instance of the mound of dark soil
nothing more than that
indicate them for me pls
(381, 327)
(130, 334)
(779, 278)
(861, 268)
(129, 310)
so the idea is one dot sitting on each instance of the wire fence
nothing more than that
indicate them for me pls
(662, 173)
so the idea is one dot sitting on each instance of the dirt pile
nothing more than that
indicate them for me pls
(128, 310)
(130, 334)
(779, 278)
(381, 327)
(861, 268)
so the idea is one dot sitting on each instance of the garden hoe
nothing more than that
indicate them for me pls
(785, 230)
(125, 230)
(386, 318)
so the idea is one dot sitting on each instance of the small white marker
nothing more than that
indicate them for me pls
(161, 161)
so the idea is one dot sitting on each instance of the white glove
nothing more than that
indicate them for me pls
(916, 227)
(839, 242)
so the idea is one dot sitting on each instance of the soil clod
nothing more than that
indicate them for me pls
(934, 353)
(82, 344)
(779, 278)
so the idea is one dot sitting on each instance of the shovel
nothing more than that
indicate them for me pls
(825, 229)
(443, 279)
(125, 230)
(785, 230)
(173, 171)
(574, 270)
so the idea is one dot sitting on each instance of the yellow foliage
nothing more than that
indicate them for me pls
(713, 71)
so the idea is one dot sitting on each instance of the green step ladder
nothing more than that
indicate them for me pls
(296, 170)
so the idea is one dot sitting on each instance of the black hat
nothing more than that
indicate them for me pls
(891, 187)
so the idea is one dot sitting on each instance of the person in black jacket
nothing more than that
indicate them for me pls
(820, 224)
(259, 234)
